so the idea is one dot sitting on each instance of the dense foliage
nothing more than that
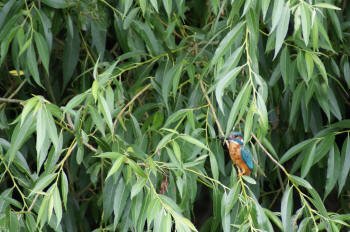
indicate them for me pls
(113, 114)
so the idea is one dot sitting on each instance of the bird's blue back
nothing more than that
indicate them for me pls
(247, 157)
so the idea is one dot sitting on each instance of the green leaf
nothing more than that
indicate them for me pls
(346, 164)
(163, 142)
(174, 117)
(226, 43)
(295, 150)
(170, 78)
(230, 63)
(182, 223)
(214, 166)
(194, 141)
(136, 188)
(28, 106)
(262, 219)
(51, 127)
(320, 67)
(43, 50)
(94, 89)
(57, 4)
(97, 119)
(33, 65)
(277, 13)
(248, 125)
(19, 136)
(5, 10)
(300, 181)
(71, 52)
(57, 205)
(239, 105)
(324, 34)
(263, 117)
(333, 169)
(264, 7)
(42, 183)
(308, 161)
(76, 101)
(335, 109)
(168, 6)
(43, 211)
(247, 6)
(249, 180)
(317, 202)
(322, 98)
(106, 113)
(110, 155)
(305, 22)
(99, 34)
(80, 154)
(324, 147)
(302, 66)
(136, 168)
(148, 36)
(155, 4)
(336, 24)
(176, 77)
(274, 218)
(230, 199)
(64, 188)
(346, 71)
(327, 6)
(296, 102)
(177, 151)
(116, 165)
(282, 28)
(6, 42)
(40, 130)
(314, 35)
(127, 4)
(130, 17)
(284, 65)
(287, 209)
(309, 64)
(223, 83)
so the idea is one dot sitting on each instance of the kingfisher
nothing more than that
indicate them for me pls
(240, 155)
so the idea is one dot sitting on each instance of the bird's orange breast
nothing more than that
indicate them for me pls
(235, 154)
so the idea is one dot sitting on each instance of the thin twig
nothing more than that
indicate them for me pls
(9, 100)
(18, 89)
(71, 125)
(129, 103)
(269, 155)
(221, 131)
(90, 147)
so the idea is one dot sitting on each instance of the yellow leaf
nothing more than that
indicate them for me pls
(16, 73)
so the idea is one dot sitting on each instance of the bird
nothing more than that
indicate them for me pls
(240, 154)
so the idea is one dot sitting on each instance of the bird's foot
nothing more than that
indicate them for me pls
(240, 173)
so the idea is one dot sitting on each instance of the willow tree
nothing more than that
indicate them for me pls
(113, 115)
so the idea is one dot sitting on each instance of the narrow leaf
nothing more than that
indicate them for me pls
(42, 183)
(346, 164)
(225, 43)
(43, 50)
(308, 161)
(64, 188)
(116, 165)
(286, 209)
(223, 83)
(282, 28)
